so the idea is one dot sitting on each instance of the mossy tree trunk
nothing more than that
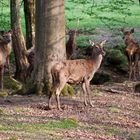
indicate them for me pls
(29, 10)
(18, 40)
(50, 41)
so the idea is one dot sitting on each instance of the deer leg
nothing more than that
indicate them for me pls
(58, 91)
(85, 93)
(1, 77)
(139, 68)
(130, 73)
(134, 72)
(89, 93)
(50, 99)
(58, 99)
(57, 94)
(51, 94)
(136, 66)
(130, 68)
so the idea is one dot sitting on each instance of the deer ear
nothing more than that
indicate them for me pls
(91, 43)
(132, 30)
(103, 42)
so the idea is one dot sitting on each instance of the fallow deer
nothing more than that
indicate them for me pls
(5, 50)
(132, 52)
(71, 44)
(76, 71)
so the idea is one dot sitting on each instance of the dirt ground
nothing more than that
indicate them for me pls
(115, 116)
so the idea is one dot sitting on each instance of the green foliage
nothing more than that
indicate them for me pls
(83, 40)
(91, 13)
(81, 1)
(118, 6)
(5, 20)
(11, 84)
(120, 47)
(107, 13)
(68, 90)
(101, 78)
(4, 15)
(115, 57)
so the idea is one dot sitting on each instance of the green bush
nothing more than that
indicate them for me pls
(116, 59)
(120, 47)
(101, 78)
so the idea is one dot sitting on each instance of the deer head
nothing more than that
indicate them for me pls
(7, 36)
(97, 47)
(127, 33)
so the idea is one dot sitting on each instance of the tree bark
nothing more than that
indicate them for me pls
(29, 10)
(18, 40)
(50, 41)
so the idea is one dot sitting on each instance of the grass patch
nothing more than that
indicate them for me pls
(49, 129)
(113, 131)
(32, 127)
(13, 138)
(107, 130)
(114, 109)
(64, 124)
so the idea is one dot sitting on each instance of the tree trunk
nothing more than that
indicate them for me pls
(50, 40)
(18, 40)
(29, 10)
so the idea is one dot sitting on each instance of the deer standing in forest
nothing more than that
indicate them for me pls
(132, 52)
(76, 71)
(30, 57)
(5, 50)
(71, 44)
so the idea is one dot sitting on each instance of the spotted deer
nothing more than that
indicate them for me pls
(132, 52)
(71, 44)
(76, 71)
(5, 50)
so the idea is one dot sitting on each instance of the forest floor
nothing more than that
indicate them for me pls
(114, 116)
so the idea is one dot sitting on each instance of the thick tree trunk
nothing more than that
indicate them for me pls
(50, 40)
(29, 10)
(18, 40)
